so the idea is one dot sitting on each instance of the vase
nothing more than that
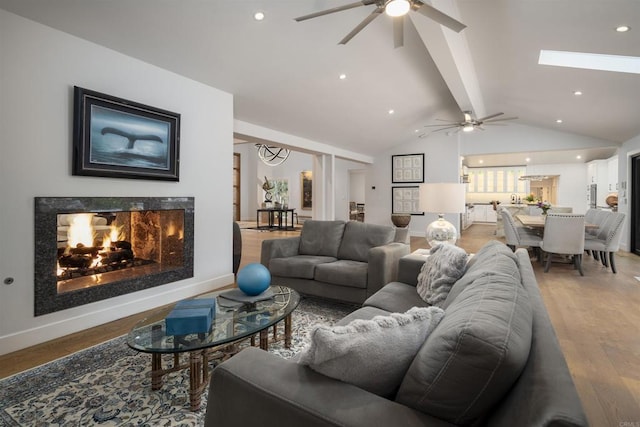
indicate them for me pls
(400, 220)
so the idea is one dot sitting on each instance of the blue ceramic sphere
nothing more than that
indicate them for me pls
(254, 279)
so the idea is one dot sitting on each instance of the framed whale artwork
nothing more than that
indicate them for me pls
(117, 138)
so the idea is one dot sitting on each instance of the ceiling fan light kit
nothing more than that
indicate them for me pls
(397, 8)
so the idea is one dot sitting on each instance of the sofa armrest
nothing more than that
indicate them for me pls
(278, 248)
(409, 267)
(383, 265)
(259, 388)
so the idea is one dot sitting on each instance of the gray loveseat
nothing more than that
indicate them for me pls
(347, 261)
(493, 360)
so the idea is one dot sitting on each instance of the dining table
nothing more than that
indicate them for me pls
(537, 221)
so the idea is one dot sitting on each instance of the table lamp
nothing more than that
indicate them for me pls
(442, 198)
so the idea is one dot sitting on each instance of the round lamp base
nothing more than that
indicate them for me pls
(441, 231)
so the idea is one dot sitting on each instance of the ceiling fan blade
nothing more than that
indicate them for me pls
(498, 120)
(489, 117)
(448, 127)
(373, 15)
(452, 124)
(333, 10)
(441, 18)
(398, 31)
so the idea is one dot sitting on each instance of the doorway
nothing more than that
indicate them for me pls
(634, 195)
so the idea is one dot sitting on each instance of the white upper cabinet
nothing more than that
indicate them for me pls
(612, 174)
(496, 180)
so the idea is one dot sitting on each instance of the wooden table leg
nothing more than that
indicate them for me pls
(196, 377)
(287, 331)
(264, 339)
(156, 371)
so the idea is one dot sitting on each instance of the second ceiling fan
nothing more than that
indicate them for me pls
(395, 8)
(469, 123)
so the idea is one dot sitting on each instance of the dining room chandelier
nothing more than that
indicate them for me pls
(272, 155)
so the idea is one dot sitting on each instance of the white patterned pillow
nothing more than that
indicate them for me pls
(444, 266)
(371, 354)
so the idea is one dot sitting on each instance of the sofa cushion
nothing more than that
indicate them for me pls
(442, 268)
(321, 238)
(494, 258)
(371, 354)
(344, 273)
(360, 237)
(395, 297)
(475, 355)
(300, 266)
(364, 313)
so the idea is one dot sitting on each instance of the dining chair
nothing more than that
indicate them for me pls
(517, 236)
(564, 235)
(607, 241)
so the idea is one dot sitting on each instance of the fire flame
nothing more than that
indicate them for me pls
(115, 234)
(81, 230)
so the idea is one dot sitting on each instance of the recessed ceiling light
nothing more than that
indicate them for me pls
(577, 93)
(527, 159)
(590, 61)
(258, 16)
(623, 28)
(481, 161)
(342, 76)
(391, 111)
(416, 131)
(559, 121)
(578, 157)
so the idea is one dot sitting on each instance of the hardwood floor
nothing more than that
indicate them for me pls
(596, 318)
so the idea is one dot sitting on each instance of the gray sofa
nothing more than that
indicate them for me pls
(347, 261)
(493, 360)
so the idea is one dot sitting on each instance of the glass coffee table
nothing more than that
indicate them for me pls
(233, 322)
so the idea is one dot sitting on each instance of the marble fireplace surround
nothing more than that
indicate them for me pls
(46, 297)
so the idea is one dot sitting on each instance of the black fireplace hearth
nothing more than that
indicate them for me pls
(89, 249)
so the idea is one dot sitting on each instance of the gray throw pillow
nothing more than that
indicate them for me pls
(444, 266)
(371, 354)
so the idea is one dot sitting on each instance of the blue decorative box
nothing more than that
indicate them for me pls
(191, 317)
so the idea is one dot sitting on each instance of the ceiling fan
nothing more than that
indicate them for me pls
(469, 123)
(394, 8)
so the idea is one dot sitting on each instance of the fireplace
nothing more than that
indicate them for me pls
(92, 248)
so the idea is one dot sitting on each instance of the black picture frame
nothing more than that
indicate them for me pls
(406, 199)
(118, 138)
(407, 168)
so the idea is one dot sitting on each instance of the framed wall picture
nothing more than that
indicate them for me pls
(407, 168)
(306, 187)
(117, 138)
(406, 200)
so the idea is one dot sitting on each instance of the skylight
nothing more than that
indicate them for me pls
(590, 61)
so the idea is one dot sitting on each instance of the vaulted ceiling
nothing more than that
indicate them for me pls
(285, 74)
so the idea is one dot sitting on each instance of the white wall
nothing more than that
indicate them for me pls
(516, 138)
(442, 155)
(38, 68)
(572, 183)
(357, 185)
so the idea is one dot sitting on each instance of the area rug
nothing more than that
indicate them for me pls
(110, 384)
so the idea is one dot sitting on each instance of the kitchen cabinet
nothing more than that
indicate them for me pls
(612, 174)
(484, 213)
(496, 180)
(597, 174)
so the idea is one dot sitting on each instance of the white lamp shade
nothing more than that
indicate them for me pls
(444, 197)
